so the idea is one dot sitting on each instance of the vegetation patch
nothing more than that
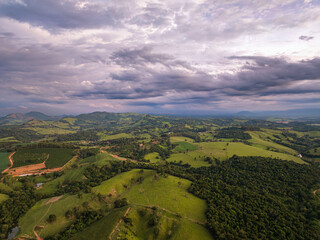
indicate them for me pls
(4, 161)
(3, 197)
(53, 157)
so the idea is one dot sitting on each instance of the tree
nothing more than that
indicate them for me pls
(52, 218)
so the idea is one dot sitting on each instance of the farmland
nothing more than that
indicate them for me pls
(4, 161)
(53, 157)
(136, 176)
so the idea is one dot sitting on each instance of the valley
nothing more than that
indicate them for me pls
(137, 176)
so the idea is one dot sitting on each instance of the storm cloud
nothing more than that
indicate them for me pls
(72, 56)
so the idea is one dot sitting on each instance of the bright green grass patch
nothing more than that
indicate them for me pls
(194, 158)
(153, 157)
(68, 176)
(191, 231)
(115, 185)
(70, 120)
(50, 131)
(5, 188)
(181, 139)
(184, 146)
(104, 137)
(57, 157)
(3, 197)
(9, 139)
(168, 194)
(101, 229)
(261, 139)
(140, 229)
(4, 161)
(224, 150)
(99, 159)
(165, 193)
(315, 151)
(39, 213)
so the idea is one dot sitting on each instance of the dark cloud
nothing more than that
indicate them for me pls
(56, 14)
(141, 78)
(306, 38)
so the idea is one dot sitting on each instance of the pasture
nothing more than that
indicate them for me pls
(225, 150)
(153, 157)
(38, 214)
(102, 228)
(105, 137)
(184, 146)
(3, 197)
(4, 161)
(169, 193)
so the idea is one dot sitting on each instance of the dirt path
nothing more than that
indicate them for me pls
(36, 169)
(121, 220)
(11, 162)
(51, 201)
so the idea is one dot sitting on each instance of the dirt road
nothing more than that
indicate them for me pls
(11, 162)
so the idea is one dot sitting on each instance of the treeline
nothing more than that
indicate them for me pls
(20, 134)
(48, 145)
(20, 201)
(88, 135)
(131, 148)
(232, 132)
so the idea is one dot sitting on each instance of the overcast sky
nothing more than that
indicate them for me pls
(166, 56)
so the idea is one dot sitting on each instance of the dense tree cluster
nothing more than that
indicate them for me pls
(232, 132)
(83, 220)
(88, 135)
(259, 198)
(19, 203)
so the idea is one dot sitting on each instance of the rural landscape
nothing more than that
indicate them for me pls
(138, 176)
(159, 120)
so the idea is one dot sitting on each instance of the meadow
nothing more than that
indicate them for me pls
(4, 161)
(39, 213)
(3, 197)
(169, 193)
(102, 228)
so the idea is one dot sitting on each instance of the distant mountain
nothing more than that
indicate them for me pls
(293, 113)
(18, 118)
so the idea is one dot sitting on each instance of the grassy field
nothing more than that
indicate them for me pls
(57, 157)
(38, 214)
(164, 192)
(184, 146)
(4, 161)
(3, 197)
(181, 139)
(105, 137)
(50, 130)
(99, 159)
(102, 228)
(153, 157)
(170, 226)
(69, 175)
(9, 140)
(194, 158)
(260, 138)
(172, 199)
(224, 150)
(315, 151)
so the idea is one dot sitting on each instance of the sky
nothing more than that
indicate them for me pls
(181, 56)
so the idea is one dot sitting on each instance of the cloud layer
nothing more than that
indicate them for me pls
(77, 56)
